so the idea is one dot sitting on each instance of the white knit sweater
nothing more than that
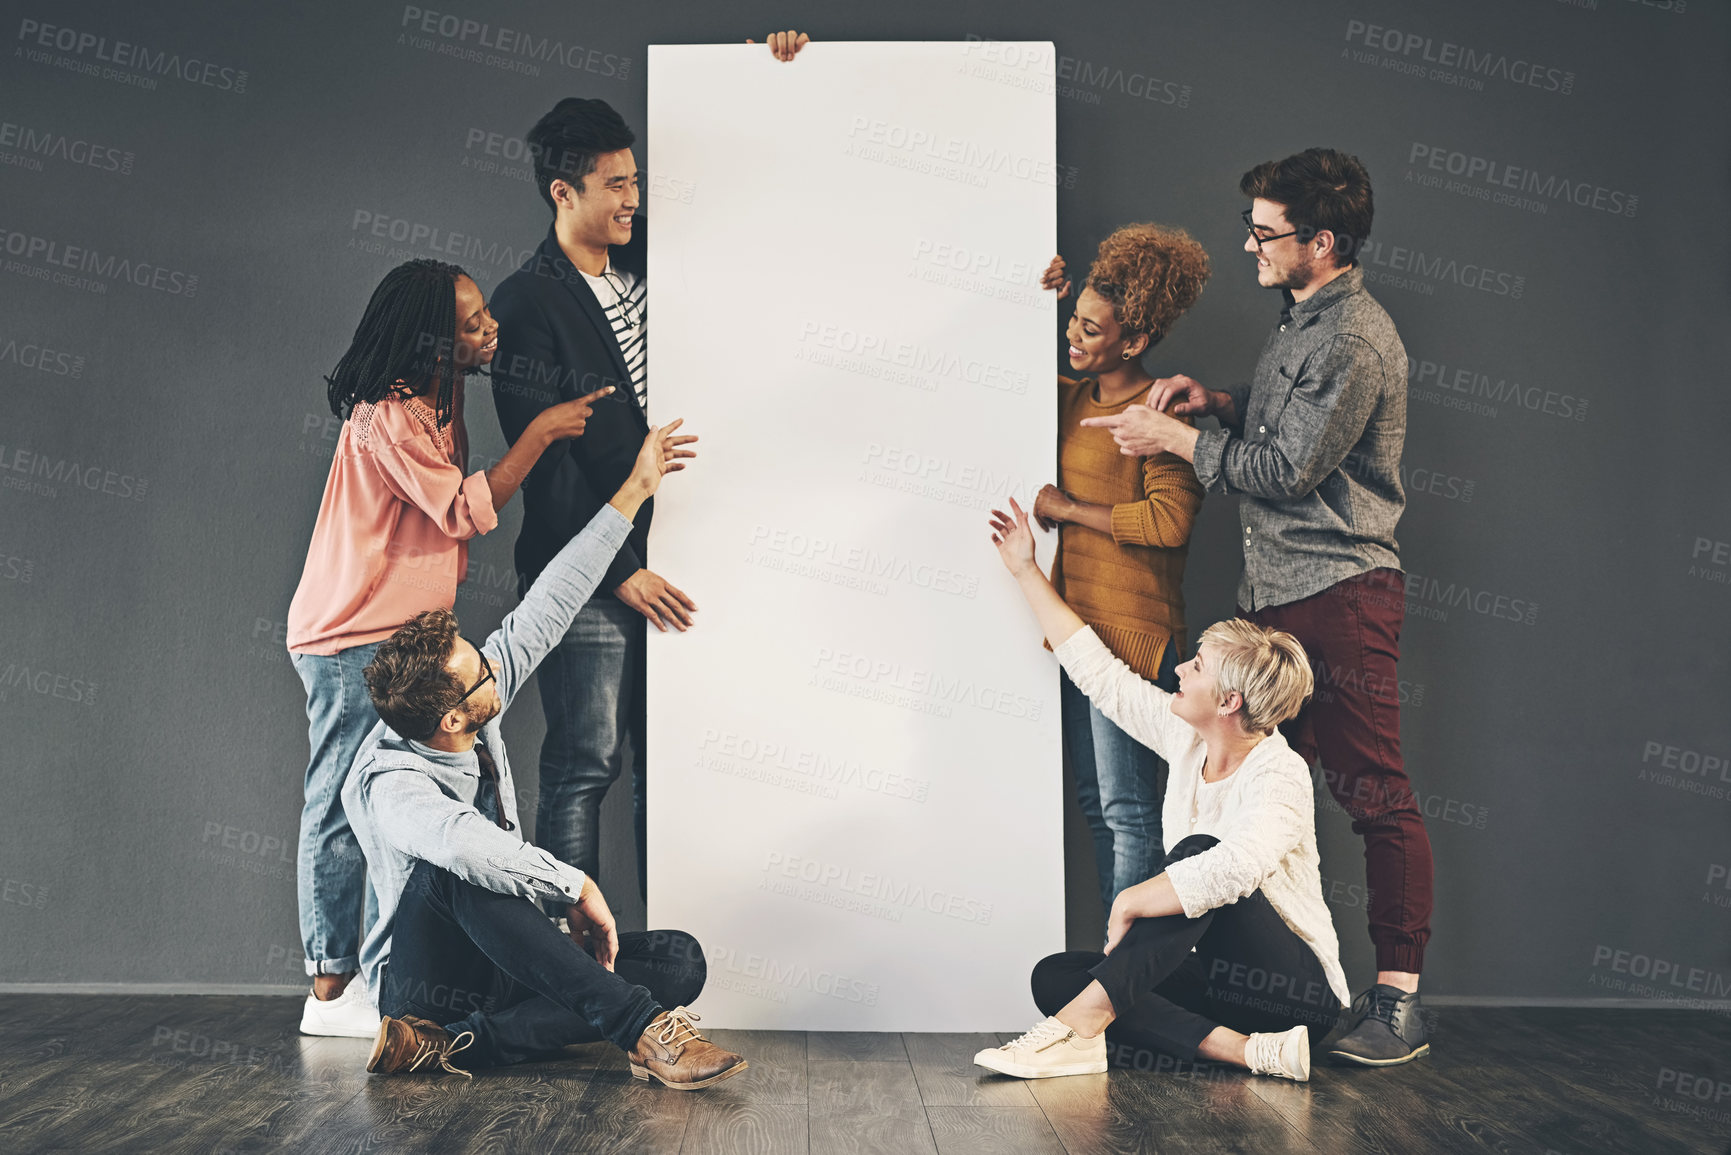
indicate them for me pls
(1264, 813)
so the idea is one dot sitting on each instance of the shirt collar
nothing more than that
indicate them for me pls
(1337, 290)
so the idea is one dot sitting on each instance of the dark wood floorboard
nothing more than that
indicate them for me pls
(867, 1108)
(231, 1074)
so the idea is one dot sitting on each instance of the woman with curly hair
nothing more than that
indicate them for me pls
(390, 541)
(1125, 528)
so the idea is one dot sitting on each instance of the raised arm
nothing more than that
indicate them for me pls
(1141, 708)
(531, 630)
(1013, 534)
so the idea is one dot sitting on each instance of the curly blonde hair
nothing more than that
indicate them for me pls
(1151, 274)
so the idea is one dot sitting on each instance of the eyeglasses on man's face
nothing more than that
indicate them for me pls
(1263, 238)
(486, 673)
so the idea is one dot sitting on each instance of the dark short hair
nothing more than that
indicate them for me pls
(1320, 189)
(407, 679)
(565, 142)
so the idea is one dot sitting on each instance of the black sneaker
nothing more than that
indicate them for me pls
(1390, 1032)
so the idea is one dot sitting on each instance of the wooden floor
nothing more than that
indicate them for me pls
(231, 1074)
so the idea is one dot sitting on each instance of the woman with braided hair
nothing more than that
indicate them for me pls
(389, 543)
(1125, 528)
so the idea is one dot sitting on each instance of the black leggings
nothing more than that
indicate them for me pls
(1248, 971)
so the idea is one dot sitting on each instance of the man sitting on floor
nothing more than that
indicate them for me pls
(462, 957)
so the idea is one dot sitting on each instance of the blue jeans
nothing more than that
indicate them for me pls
(592, 692)
(474, 960)
(1118, 787)
(332, 876)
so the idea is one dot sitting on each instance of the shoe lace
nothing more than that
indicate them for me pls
(430, 1053)
(677, 1030)
(1042, 1035)
(1378, 1004)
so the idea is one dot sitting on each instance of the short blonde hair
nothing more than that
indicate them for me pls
(1267, 668)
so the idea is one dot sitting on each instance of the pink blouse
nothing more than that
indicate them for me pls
(391, 536)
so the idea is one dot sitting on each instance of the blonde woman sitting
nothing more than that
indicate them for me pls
(1228, 953)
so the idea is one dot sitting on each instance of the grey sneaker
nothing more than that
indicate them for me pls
(1391, 1030)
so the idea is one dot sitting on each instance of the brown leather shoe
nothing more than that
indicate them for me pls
(671, 1051)
(412, 1044)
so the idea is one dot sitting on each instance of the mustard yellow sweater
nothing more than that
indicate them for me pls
(1129, 584)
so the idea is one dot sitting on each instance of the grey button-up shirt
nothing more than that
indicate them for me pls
(407, 802)
(1317, 456)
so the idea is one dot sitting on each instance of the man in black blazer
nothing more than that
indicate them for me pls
(573, 320)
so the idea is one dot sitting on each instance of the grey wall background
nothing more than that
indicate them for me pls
(166, 440)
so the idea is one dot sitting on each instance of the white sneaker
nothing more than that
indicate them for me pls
(1050, 1049)
(1285, 1056)
(350, 1015)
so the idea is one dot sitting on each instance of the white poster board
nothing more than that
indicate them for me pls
(853, 758)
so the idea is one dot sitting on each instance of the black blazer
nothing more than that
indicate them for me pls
(555, 344)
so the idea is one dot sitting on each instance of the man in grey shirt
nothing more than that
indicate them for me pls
(1313, 445)
(462, 957)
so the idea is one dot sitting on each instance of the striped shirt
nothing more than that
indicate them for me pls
(630, 320)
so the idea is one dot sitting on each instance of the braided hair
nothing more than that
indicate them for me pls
(406, 339)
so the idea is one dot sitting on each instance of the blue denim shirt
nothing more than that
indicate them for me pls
(405, 805)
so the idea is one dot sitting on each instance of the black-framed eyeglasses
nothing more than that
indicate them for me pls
(609, 276)
(1258, 237)
(485, 677)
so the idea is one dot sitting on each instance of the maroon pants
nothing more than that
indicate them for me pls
(1351, 630)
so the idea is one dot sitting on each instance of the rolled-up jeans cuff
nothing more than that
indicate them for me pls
(333, 966)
